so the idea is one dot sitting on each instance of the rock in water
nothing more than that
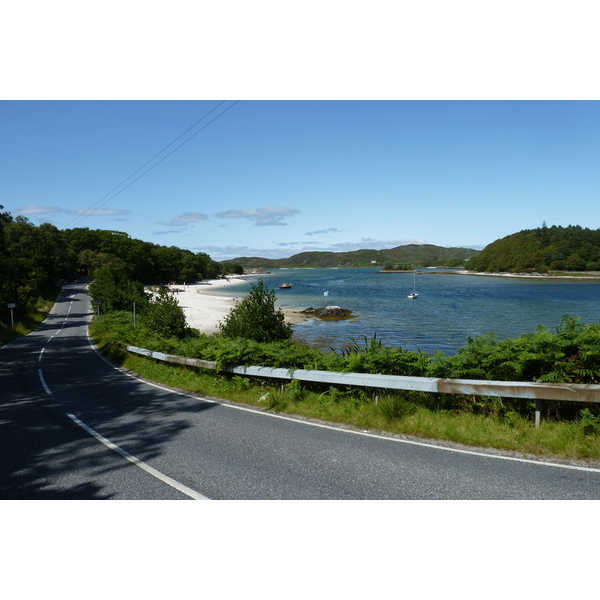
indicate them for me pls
(328, 312)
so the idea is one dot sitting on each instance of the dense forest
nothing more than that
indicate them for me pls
(421, 255)
(35, 259)
(541, 250)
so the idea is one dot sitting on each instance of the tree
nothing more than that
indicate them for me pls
(255, 317)
(93, 261)
(164, 315)
(34, 259)
(234, 268)
(115, 291)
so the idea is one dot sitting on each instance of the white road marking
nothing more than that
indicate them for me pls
(137, 462)
(44, 382)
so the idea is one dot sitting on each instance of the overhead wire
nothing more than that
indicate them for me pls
(97, 205)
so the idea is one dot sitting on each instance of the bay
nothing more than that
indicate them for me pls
(450, 306)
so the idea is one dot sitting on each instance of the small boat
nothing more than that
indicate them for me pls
(414, 294)
(285, 286)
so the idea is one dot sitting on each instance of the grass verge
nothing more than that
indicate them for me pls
(403, 413)
(27, 322)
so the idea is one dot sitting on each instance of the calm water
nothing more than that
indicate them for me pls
(449, 308)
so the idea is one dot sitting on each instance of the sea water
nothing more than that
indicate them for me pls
(450, 306)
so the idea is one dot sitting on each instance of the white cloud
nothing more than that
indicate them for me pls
(172, 231)
(322, 231)
(36, 209)
(104, 212)
(187, 218)
(273, 215)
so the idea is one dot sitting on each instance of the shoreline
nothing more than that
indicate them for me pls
(204, 309)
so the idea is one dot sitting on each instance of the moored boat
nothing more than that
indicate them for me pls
(414, 294)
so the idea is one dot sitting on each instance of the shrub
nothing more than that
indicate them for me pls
(164, 316)
(255, 318)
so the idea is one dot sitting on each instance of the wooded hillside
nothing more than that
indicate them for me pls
(541, 250)
(422, 255)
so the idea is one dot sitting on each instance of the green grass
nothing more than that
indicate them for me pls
(411, 414)
(28, 322)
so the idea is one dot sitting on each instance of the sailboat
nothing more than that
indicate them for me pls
(414, 292)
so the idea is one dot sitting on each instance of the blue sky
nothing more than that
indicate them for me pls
(273, 178)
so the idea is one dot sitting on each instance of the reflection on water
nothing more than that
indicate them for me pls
(449, 308)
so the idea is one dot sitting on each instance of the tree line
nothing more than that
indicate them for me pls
(35, 260)
(541, 250)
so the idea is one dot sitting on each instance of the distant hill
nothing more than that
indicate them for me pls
(544, 249)
(425, 255)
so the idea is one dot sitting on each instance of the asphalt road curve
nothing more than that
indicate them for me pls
(72, 426)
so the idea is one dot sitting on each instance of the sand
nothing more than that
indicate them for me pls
(204, 308)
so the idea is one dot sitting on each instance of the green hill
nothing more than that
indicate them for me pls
(541, 250)
(424, 255)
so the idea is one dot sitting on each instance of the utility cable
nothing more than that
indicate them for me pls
(99, 203)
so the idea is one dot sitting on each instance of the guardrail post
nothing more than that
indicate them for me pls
(538, 412)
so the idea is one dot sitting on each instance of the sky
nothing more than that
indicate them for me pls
(274, 178)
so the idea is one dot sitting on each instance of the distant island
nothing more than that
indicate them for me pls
(414, 255)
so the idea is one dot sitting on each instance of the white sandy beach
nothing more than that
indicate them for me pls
(204, 308)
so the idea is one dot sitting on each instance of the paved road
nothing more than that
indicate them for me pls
(72, 426)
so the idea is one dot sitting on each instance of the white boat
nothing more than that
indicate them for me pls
(414, 294)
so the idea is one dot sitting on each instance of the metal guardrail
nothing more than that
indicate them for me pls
(538, 391)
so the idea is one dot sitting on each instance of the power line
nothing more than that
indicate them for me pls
(86, 213)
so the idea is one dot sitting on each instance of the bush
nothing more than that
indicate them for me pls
(255, 318)
(164, 316)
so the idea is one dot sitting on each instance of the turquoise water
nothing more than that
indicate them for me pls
(449, 308)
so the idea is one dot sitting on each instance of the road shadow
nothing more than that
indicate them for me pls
(44, 454)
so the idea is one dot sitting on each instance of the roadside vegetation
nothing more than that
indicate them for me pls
(28, 319)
